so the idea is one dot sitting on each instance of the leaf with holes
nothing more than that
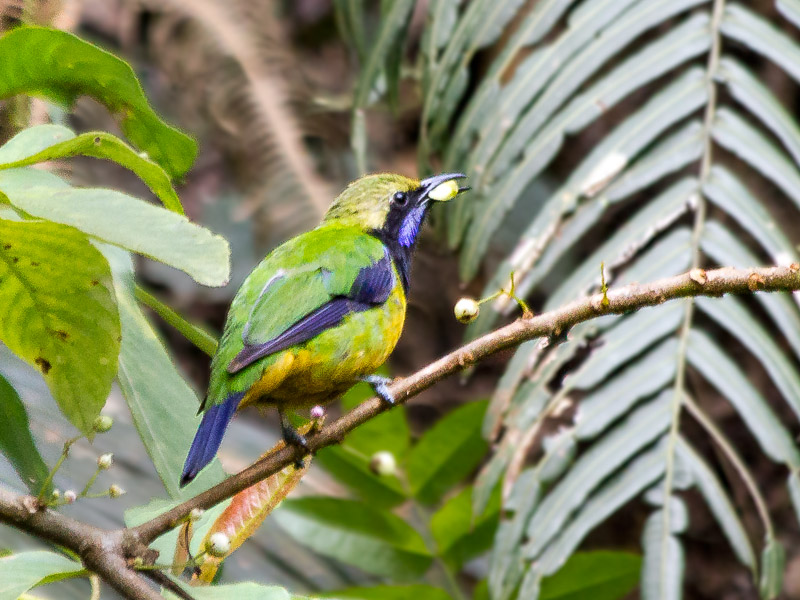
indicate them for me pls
(60, 313)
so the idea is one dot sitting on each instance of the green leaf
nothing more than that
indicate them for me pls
(387, 592)
(16, 441)
(49, 142)
(60, 66)
(21, 572)
(349, 461)
(600, 575)
(128, 222)
(447, 452)
(460, 537)
(773, 562)
(60, 314)
(163, 406)
(352, 469)
(357, 534)
(239, 591)
(392, 26)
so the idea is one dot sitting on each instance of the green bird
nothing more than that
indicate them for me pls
(322, 311)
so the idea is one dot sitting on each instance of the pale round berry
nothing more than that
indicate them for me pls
(383, 463)
(466, 310)
(218, 545)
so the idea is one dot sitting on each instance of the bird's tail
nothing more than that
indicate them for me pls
(209, 436)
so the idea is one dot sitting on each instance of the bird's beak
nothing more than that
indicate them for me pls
(442, 188)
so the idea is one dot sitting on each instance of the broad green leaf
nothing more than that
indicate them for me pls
(623, 442)
(16, 441)
(731, 314)
(725, 190)
(387, 592)
(600, 575)
(718, 502)
(664, 561)
(718, 368)
(60, 313)
(60, 66)
(645, 469)
(49, 142)
(773, 562)
(21, 572)
(447, 452)
(132, 224)
(239, 591)
(163, 406)
(460, 537)
(349, 461)
(388, 431)
(352, 469)
(357, 534)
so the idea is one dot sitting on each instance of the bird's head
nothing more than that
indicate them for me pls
(392, 205)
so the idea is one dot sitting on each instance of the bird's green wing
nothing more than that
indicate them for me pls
(307, 286)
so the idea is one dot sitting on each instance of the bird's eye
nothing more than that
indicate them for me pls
(399, 199)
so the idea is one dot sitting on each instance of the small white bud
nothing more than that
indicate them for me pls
(105, 461)
(466, 310)
(317, 412)
(56, 494)
(218, 545)
(196, 514)
(70, 496)
(102, 423)
(115, 491)
(383, 463)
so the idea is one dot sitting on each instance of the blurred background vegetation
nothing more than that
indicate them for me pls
(591, 131)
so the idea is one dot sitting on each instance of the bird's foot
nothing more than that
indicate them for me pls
(293, 438)
(380, 385)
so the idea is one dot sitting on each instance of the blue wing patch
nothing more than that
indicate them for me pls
(371, 287)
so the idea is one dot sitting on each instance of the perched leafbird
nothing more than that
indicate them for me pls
(322, 311)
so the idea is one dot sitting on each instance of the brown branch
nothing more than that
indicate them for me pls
(107, 552)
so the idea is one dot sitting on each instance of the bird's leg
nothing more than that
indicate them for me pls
(380, 385)
(291, 437)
